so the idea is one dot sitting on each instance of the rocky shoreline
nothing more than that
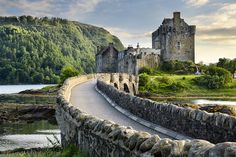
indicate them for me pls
(28, 106)
(28, 113)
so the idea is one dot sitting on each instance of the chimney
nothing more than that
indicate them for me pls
(138, 45)
(176, 15)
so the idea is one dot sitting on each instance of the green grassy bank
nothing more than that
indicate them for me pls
(182, 86)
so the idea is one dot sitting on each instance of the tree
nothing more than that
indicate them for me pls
(214, 78)
(228, 64)
(36, 49)
(68, 71)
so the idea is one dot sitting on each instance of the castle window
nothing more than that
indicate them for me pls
(178, 45)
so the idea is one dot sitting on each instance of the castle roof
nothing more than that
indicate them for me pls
(105, 49)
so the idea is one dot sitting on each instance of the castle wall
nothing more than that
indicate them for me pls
(127, 63)
(132, 62)
(106, 60)
(150, 60)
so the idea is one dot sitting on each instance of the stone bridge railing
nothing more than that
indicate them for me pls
(102, 138)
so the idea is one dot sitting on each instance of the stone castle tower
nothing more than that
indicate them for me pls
(176, 39)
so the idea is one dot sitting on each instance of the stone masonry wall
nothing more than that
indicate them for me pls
(199, 124)
(101, 138)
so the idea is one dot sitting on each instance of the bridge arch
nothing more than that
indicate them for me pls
(116, 86)
(126, 88)
(134, 89)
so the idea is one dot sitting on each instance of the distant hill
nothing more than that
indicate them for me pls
(34, 50)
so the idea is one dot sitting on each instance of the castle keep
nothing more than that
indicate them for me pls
(173, 40)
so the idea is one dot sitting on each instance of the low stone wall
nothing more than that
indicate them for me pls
(102, 138)
(214, 127)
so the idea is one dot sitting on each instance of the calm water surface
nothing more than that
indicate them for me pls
(213, 102)
(33, 135)
(9, 89)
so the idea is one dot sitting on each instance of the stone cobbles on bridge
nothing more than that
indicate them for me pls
(105, 138)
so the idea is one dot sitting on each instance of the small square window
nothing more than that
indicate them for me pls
(178, 45)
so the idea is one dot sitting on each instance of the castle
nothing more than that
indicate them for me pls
(173, 40)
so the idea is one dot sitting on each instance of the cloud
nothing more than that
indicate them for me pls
(36, 8)
(126, 34)
(78, 7)
(196, 3)
(218, 26)
(62, 8)
(230, 31)
(131, 38)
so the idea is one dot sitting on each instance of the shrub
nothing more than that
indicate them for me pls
(169, 84)
(145, 70)
(215, 78)
(148, 70)
(68, 71)
(221, 72)
(176, 86)
(178, 67)
(143, 79)
(165, 80)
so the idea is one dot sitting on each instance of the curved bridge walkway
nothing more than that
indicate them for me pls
(87, 99)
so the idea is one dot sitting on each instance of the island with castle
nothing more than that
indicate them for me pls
(173, 40)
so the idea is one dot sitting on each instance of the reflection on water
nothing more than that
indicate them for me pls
(213, 102)
(202, 102)
(26, 136)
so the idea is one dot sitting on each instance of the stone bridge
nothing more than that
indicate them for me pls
(121, 81)
(101, 115)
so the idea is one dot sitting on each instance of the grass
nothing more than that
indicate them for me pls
(70, 151)
(47, 89)
(190, 88)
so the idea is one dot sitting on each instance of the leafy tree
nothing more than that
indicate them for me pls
(143, 79)
(34, 50)
(215, 77)
(228, 64)
(68, 71)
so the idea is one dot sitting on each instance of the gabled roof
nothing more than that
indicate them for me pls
(105, 49)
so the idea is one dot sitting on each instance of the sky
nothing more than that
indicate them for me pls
(133, 21)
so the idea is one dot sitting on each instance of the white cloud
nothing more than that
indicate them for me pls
(128, 38)
(78, 7)
(36, 8)
(218, 26)
(225, 17)
(63, 8)
(196, 3)
(127, 34)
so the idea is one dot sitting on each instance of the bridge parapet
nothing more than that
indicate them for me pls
(104, 138)
(121, 81)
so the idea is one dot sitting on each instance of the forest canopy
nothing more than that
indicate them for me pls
(35, 50)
